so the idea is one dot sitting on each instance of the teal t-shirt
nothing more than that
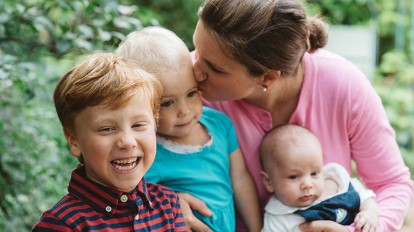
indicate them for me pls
(205, 172)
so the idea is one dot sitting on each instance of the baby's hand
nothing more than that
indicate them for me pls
(366, 221)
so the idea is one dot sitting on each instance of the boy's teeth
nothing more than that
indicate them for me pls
(126, 164)
(125, 161)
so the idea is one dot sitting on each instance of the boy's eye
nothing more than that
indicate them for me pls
(167, 103)
(314, 174)
(106, 129)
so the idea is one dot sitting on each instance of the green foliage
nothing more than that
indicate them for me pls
(345, 12)
(395, 85)
(179, 16)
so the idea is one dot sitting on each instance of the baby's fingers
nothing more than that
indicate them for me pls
(359, 222)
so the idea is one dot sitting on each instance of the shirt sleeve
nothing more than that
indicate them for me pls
(50, 223)
(378, 160)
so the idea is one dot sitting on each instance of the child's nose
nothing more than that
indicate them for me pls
(184, 109)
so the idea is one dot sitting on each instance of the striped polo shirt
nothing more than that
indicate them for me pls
(90, 206)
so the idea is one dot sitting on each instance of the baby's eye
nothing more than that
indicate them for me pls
(316, 173)
(167, 103)
(293, 177)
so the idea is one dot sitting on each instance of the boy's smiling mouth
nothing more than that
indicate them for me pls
(125, 164)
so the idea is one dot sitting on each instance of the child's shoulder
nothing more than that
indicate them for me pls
(214, 115)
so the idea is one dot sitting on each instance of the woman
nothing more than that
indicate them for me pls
(259, 62)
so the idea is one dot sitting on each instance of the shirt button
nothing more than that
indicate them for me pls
(108, 209)
(124, 198)
(137, 217)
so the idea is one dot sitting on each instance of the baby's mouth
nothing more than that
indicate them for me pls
(126, 164)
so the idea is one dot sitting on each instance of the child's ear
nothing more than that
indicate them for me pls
(73, 144)
(266, 181)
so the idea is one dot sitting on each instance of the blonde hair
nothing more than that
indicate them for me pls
(156, 48)
(103, 78)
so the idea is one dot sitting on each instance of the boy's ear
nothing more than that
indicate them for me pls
(266, 181)
(73, 144)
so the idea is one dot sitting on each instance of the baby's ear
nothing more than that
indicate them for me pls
(73, 144)
(266, 181)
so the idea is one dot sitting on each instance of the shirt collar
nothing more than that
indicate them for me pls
(105, 199)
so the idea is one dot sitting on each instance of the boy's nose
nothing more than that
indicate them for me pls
(126, 141)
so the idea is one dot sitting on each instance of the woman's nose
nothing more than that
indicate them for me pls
(199, 74)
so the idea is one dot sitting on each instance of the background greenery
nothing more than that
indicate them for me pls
(41, 39)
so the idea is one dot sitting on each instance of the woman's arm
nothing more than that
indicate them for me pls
(189, 203)
(245, 194)
(377, 156)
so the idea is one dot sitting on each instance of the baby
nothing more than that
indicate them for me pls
(305, 190)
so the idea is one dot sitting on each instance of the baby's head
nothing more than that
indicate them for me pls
(108, 107)
(165, 54)
(292, 161)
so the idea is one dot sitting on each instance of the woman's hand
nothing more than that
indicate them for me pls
(189, 203)
(322, 226)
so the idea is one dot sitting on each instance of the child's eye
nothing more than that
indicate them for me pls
(138, 124)
(167, 103)
(314, 174)
(192, 93)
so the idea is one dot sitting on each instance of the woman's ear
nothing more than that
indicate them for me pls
(73, 144)
(266, 181)
(270, 76)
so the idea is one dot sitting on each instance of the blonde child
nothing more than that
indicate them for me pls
(304, 189)
(197, 148)
(108, 108)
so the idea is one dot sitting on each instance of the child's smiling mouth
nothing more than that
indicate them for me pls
(125, 164)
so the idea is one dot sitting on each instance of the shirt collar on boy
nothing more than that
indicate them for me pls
(103, 199)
